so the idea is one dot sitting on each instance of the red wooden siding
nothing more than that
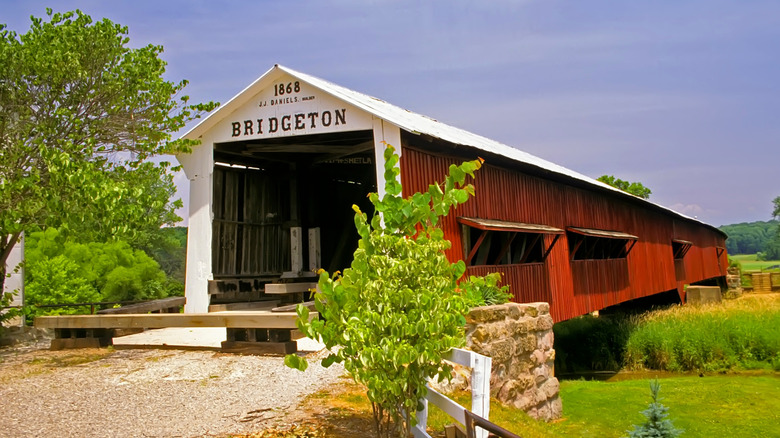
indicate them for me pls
(574, 287)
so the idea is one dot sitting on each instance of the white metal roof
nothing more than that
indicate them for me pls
(408, 121)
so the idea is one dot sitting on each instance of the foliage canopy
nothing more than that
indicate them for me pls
(80, 112)
(749, 237)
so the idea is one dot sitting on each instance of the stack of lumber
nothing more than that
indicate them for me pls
(762, 282)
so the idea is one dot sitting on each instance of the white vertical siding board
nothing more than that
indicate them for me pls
(384, 134)
(15, 271)
(199, 232)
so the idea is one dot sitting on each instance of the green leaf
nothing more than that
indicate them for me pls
(461, 196)
(296, 362)
(329, 360)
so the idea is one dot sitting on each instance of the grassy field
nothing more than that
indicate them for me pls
(717, 406)
(737, 334)
(735, 392)
(749, 263)
(735, 405)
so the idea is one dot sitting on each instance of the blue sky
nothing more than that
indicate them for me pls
(682, 96)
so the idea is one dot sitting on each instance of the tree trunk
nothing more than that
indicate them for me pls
(6, 246)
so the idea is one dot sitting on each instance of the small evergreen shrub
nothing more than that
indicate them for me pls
(657, 423)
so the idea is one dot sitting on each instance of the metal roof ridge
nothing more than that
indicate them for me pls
(416, 123)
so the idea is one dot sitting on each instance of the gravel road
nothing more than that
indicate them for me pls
(147, 393)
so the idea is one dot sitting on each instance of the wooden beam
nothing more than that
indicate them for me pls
(146, 307)
(289, 288)
(163, 320)
(315, 257)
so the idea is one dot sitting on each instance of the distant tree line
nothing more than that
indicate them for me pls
(754, 238)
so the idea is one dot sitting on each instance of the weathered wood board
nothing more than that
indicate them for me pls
(164, 305)
(289, 288)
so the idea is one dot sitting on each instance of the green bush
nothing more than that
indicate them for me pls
(485, 291)
(96, 271)
(588, 343)
(57, 281)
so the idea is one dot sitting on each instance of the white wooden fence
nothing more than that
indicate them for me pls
(480, 393)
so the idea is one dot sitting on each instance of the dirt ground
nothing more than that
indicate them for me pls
(166, 393)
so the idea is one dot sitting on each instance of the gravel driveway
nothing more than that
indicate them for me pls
(148, 393)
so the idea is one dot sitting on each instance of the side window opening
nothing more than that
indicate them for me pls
(591, 244)
(680, 248)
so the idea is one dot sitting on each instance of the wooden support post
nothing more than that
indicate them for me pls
(259, 341)
(315, 258)
(296, 250)
(68, 338)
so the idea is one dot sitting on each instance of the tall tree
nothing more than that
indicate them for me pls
(772, 251)
(80, 112)
(634, 188)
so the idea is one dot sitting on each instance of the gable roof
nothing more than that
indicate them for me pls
(410, 122)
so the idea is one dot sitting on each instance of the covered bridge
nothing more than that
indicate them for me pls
(281, 163)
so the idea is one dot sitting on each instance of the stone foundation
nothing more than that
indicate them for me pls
(519, 338)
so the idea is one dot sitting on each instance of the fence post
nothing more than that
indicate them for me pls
(480, 389)
(422, 421)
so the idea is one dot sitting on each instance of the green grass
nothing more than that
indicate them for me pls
(749, 263)
(718, 406)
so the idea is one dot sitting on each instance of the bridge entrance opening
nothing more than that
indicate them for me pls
(265, 188)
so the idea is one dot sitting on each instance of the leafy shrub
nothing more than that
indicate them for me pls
(57, 281)
(396, 310)
(588, 343)
(97, 271)
(5, 300)
(485, 291)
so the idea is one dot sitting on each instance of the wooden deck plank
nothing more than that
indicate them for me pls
(163, 320)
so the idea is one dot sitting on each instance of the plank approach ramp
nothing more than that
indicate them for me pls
(270, 155)
(247, 332)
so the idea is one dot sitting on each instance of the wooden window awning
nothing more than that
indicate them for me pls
(604, 234)
(593, 244)
(519, 227)
(519, 242)
(680, 248)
